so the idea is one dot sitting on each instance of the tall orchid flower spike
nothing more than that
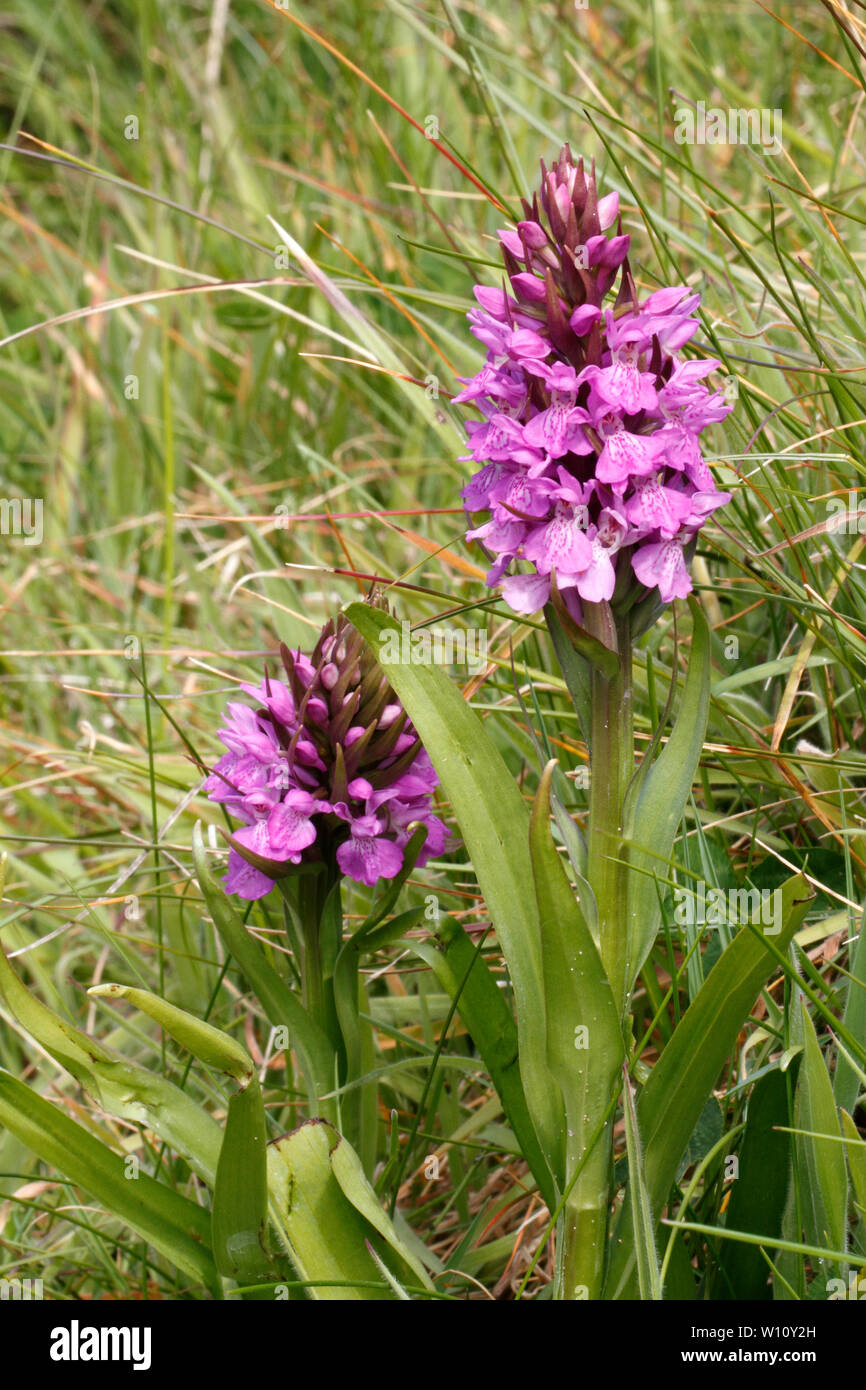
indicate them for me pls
(597, 391)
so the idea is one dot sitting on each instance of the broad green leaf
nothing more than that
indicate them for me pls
(585, 1050)
(465, 975)
(680, 1284)
(240, 1189)
(583, 1034)
(347, 1169)
(846, 1082)
(687, 1071)
(494, 823)
(643, 1225)
(329, 1213)
(240, 1199)
(121, 1087)
(658, 797)
(178, 1228)
(823, 1173)
(282, 1006)
(705, 1135)
(759, 1191)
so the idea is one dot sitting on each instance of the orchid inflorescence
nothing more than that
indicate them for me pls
(327, 768)
(591, 467)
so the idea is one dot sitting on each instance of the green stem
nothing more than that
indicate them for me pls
(312, 976)
(611, 765)
(319, 951)
(583, 1227)
(317, 954)
(581, 1244)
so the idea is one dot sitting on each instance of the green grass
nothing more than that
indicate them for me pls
(196, 414)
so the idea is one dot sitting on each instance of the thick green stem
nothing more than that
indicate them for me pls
(317, 952)
(581, 1245)
(312, 978)
(583, 1227)
(611, 765)
(310, 964)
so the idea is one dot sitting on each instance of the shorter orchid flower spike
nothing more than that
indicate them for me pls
(324, 767)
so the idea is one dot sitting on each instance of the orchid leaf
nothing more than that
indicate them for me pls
(657, 799)
(208, 1044)
(178, 1228)
(465, 976)
(846, 1082)
(856, 1152)
(824, 1194)
(583, 1033)
(684, 1076)
(331, 1218)
(757, 1200)
(494, 822)
(240, 1197)
(123, 1088)
(648, 1276)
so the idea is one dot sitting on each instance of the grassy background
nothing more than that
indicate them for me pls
(195, 414)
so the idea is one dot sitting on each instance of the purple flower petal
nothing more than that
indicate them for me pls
(561, 544)
(526, 593)
(662, 564)
(244, 880)
(367, 858)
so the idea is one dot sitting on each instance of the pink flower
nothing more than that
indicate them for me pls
(653, 506)
(562, 543)
(625, 455)
(662, 565)
(526, 593)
